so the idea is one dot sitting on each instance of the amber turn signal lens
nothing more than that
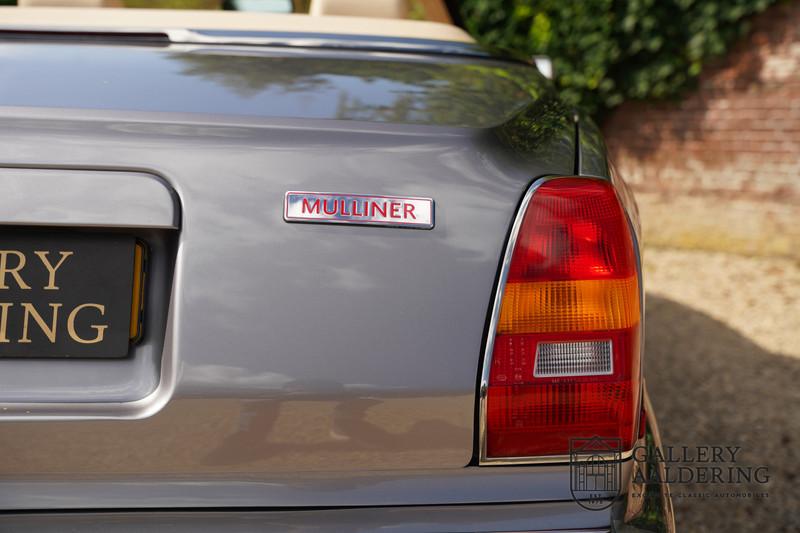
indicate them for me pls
(580, 305)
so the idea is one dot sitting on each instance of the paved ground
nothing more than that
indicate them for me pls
(723, 368)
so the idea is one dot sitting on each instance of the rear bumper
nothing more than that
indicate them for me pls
(556, 516)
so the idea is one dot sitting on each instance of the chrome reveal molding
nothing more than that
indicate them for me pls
(483, 459)
(194, 36)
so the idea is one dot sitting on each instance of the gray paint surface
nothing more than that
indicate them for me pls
(298, 358)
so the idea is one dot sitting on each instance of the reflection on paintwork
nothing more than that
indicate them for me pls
(528, 114)
(543, 132)
(594, 160)
(374, 90)
(215, 379)
(323, 432)
(368, 87)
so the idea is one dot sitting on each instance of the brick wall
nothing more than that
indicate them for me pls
(720, 169)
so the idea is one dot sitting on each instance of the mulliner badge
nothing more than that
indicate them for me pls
(339, 208)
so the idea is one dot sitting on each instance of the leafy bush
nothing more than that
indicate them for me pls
(607, 51)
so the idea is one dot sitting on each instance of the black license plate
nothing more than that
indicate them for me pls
(68, 295)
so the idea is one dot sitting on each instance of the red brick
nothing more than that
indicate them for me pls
(737, 134)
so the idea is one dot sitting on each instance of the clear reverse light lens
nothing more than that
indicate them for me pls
(556, 359)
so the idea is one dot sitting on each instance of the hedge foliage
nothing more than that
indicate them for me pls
(607, 51)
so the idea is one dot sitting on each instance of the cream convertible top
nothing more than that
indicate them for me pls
(41, 18)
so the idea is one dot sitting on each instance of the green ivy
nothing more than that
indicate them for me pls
(607, 51)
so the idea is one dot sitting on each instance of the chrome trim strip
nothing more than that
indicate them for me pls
(550, 459)
(323, 40)
(210, 36)
(483, 460)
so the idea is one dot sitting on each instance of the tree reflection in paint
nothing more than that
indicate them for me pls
(511, 98)
(452, 94)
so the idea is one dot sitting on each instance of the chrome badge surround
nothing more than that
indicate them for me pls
(344, 208)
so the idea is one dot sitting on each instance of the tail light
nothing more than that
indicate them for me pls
(563, 358)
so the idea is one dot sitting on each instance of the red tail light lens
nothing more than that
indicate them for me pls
(565, 358)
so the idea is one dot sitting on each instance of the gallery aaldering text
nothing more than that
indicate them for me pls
(696, 464)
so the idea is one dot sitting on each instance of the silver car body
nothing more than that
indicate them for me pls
(311, 376)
